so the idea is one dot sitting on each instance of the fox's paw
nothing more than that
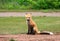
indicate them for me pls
(38, 32)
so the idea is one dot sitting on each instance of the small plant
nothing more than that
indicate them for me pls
(12, 39)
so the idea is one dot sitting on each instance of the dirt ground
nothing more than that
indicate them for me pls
(25, 37)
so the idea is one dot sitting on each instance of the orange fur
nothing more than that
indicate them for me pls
(32, 27)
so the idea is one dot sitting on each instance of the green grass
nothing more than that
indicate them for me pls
(42, 10)
(17, 25)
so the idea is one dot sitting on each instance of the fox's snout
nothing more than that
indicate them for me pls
(28, 19)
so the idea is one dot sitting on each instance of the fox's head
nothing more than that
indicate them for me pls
(28, 16)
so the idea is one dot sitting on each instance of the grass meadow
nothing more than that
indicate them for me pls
(17, 25)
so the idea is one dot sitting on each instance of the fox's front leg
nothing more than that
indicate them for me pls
(29, 30)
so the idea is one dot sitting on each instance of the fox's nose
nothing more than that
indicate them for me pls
(28, 20)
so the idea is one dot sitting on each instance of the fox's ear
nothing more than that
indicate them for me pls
(26, 13)
(31, 13)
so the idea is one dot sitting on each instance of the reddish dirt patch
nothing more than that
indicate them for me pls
(25, 37)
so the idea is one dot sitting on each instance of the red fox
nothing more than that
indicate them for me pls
(32, 27)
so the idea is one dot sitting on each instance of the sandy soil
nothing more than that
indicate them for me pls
(7, 14)
(25, 37)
